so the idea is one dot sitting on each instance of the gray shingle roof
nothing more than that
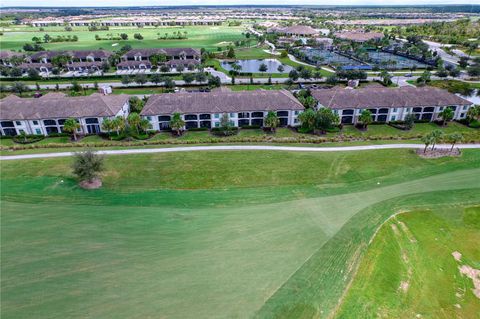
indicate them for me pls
(221, 102)
(60, 106)
(373, 97)
(9, 54)
(79, 54)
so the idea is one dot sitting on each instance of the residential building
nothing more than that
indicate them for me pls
(244, 108)
(7, 56)
(391, 104)
(173, 56)
(46, 115)
(295, 30)
(359, 36)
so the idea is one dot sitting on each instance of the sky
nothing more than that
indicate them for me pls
(85, 3)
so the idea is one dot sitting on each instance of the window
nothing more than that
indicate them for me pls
(441, 108)
(18, 122)
(394, 118)
(38, 131)
(35, 122)
(149, 118)
(465, 107)
(394, 110)
(217, 116)
(217, 124)
(297, 112)
(232, 114)
(21, 131)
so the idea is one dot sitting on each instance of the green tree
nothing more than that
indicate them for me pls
(136, 104)
(141, 79)
(76, 87)
(200, 77)
(436, 137)
(134, 120)
(231, 53)
(19, 87)
(263, 68)
(271, 121)
(446, 115)
(71, 126)
(365, 118)
(386, 78)
(453, 139)
(118, 124)
(87, 165)
(33, 74)
(326, 119)
(409, 121)
(307, 120)
(145, 125)
(281, 68)
(108, 125)
(293, 75)
(427, 140)
(177, 123)
(473, 113)
(188, 78)
(126, 79)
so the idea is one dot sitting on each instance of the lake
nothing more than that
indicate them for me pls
(252, 66)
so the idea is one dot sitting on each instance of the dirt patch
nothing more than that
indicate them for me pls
(404, 286)
(395, 229)
(439, 152)
(407, 232)
(457, 255)
(93, 184)
(473, 274)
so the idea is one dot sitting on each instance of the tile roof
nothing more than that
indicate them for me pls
(55, 105)
(9, 54)
(373, 97)
(167, 51)
(359, 36)
(221, 102)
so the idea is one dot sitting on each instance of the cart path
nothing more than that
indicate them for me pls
(239, 148)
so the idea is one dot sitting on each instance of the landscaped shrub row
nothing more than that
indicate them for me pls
(216, 140)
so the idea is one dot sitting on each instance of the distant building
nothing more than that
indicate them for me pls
(141, 58)
(359, 36)
(296, 30)
(244, 108)
(387, 104)
(6, 57)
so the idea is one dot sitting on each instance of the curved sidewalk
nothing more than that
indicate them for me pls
(239, 148)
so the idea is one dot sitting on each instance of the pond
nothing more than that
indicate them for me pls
(252, 66)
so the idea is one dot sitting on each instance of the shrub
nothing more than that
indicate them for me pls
(27, 139)
(196, 129)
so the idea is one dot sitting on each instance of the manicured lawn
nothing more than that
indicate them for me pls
(374, 132)
(209, 37)
(409, 268)
(223, 234)
(418, 130)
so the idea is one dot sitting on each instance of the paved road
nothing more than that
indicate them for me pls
(239, 148)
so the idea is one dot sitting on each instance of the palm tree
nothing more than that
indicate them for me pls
(446, 115)
(271, 121)
(473, 113)
(145, 125)
(427, 140)
(108, 125)
(436, 136)
(177, 123)
(454, 138)
(134, 120)
(71, 125)
(365, 118)
(118, 124)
